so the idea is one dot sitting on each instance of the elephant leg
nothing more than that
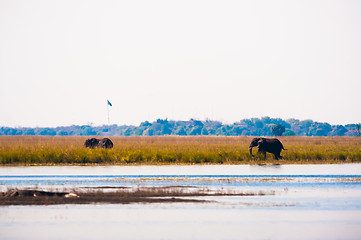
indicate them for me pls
(263, 152)
(278, 155)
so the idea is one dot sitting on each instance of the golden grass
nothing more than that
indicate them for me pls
(41, 150)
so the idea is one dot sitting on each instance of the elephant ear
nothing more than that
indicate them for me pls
(260, 142)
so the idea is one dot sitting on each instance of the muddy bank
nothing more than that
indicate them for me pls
(120, 195)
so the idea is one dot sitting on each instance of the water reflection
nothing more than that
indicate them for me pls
(324, 169)
(175, 222)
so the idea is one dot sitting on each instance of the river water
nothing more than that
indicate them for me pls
(301, 202)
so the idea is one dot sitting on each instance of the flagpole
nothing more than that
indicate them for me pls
(108, 114)
(108, 105)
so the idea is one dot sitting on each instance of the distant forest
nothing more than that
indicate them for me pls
(264, 126)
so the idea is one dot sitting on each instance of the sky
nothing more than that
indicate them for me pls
(214, 59)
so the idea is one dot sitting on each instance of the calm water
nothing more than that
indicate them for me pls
(307, 202)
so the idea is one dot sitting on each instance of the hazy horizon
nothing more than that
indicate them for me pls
(223, 60)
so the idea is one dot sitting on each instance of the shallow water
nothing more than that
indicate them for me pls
(302, 202)
(312, 169)
(206, 176)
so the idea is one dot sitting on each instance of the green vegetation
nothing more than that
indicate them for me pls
(40, 150)
(358, 129)
(278, 129)
(265, 126)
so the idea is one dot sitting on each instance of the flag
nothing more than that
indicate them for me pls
(109, 103)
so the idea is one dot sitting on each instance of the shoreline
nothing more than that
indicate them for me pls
(259, 163)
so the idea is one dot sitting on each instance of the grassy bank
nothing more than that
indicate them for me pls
(38, 150)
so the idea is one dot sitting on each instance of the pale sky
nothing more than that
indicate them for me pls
(221, 60)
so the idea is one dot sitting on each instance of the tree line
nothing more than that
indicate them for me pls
(264, 126)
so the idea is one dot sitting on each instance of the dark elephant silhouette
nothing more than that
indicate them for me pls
(91, 143)
(271, 145)
(96, 143)
(105, 143)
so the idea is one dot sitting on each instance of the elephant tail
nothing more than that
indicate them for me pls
(283, 147)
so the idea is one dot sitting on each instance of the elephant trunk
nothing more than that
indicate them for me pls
(250, 151)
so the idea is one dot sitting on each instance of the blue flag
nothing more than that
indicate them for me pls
(109, 103)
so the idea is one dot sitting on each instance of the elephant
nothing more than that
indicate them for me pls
(105, 143)
(96, 143)
(91, 143)
(271, 145)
